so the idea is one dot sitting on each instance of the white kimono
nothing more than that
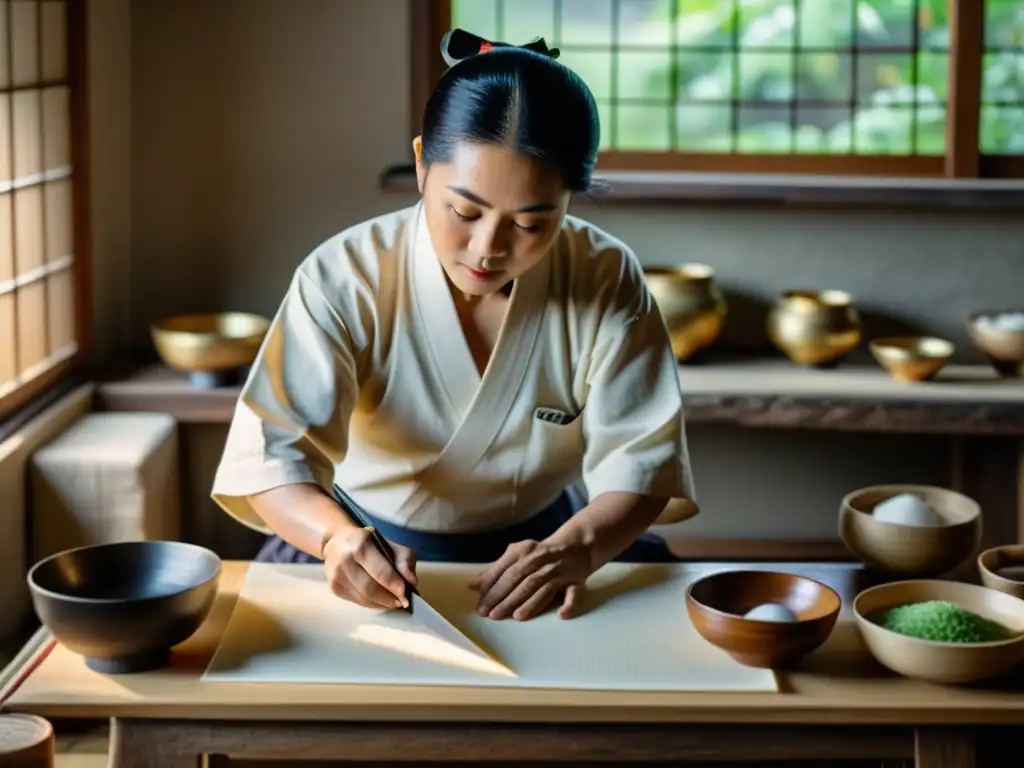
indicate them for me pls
(365, 380)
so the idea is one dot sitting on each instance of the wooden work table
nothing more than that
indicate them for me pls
(838, 704)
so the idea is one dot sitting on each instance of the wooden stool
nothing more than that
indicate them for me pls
(26, 741)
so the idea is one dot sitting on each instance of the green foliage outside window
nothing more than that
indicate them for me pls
(862, 77)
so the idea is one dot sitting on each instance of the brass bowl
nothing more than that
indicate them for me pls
(937, 662)
(816, 328)
(693, 306)
(211, 348)
(716, 605)
(1004, 347)
(1002, 568)
(912, 358)
(911, 550)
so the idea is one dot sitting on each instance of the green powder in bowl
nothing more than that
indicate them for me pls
(942, 621)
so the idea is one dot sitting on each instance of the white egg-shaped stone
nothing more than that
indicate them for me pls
(907, 509)
(770, 612)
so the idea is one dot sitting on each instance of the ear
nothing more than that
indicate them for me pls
(421, 171)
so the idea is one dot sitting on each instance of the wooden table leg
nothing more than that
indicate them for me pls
(944, 747)
(140, 744)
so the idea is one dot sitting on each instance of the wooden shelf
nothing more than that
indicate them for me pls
(765, 393)
(791, 190)
(968, 400)
(155, 387)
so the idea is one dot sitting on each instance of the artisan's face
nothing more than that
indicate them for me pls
(492, 214)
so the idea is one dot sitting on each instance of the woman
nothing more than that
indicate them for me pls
(451, 370)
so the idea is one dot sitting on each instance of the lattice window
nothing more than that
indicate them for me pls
(840, 86)
(39, 330)
(1002, 97)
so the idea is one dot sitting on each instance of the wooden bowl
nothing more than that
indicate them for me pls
(912, 358)
(26, 741)
(934, 661)
(1004, 347)
(124, 606)
(716, 605)
(906, 549)
(210, 348)
(991, 565)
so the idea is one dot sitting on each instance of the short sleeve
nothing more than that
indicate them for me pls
(292, 417)
(633, 420)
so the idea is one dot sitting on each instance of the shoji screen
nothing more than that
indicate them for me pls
(38, 330)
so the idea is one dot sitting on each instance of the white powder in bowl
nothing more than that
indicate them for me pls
(1006, 321)
(907, 509)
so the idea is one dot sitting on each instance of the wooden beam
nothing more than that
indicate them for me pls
(966, 53)
(428, 21)
(839, 165)
(78, 74)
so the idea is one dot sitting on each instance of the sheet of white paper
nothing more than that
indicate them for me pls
(632, 634)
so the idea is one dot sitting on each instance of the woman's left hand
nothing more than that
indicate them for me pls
(525, 580)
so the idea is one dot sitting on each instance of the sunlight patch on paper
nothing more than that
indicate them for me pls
(426, 646)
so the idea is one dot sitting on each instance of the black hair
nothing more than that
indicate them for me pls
(518, 96)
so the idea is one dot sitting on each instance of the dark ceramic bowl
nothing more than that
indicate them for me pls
(124, 606)
(717, 604)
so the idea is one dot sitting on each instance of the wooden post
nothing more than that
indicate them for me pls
(966, 48)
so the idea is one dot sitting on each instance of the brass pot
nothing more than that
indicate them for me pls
(816, 328)
(692, 305)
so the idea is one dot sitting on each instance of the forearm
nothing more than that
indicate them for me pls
(302, 514)
(609, 524)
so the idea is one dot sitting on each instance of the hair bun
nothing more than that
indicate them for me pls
(458, 45)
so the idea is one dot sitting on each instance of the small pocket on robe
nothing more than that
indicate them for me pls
(552, 458)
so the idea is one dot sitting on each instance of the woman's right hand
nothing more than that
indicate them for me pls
(358, 572)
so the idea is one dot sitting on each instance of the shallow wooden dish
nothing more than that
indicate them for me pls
(936, 662)
(124, 606)
(716, 605)
(992, 560)
(26, 741)
(907, 549)
(912, 358)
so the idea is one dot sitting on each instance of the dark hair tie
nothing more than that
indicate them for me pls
(458, 45)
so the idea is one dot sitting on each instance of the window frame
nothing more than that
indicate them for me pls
(22, 397)
(430, 19)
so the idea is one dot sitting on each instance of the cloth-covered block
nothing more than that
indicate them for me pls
(109, 477)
